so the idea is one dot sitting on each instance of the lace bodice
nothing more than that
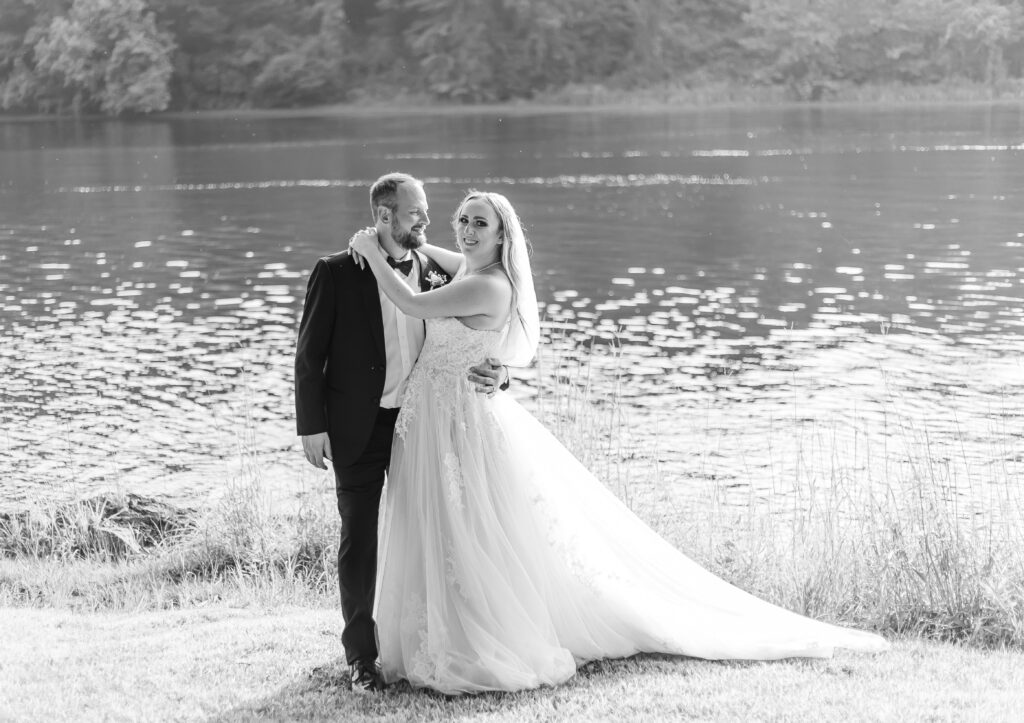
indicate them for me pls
(451, 347)
(449, 350)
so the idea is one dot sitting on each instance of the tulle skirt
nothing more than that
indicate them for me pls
(504, 563)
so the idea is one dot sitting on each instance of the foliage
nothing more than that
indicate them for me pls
(22, 22)
(106, 55)
(484, 50)
(239, 53)
(813, 44)
(117, 56)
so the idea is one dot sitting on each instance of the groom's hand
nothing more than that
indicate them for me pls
(489, 376)
(317, 448)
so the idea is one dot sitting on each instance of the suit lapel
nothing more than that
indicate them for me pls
(424, 266)
(423, 263)
(427, 266)
(371, 296)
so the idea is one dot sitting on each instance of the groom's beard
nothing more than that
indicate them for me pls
(408, 240)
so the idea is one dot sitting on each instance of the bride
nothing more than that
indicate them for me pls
(503, 563)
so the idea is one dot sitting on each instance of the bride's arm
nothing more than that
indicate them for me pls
(484, 295)
(448, 260)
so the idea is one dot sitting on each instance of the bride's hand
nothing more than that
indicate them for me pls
(359, 253)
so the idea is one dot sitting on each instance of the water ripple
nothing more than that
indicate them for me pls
(567, 180)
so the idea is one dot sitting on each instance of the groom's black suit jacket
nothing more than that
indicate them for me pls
(340, 356)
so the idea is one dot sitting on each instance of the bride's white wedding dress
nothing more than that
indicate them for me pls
(504, 563)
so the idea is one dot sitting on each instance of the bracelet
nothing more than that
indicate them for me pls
(508, 379)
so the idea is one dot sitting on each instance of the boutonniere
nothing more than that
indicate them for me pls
(436, 279)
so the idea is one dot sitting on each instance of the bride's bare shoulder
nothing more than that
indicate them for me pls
(498, 276)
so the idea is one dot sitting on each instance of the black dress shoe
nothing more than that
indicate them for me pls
(365, 678)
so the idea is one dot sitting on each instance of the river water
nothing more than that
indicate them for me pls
(766, 297)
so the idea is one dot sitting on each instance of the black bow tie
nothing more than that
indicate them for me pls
(404, 267)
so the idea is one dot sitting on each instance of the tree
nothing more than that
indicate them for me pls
(978, 32)
(106, 55)
(798, 40)
(111, 56)
(452, 39)
(136, 78)
(311, 69)
(24, 21)
(486, 50)
(64, 65)
(236, 53)
(810, 43)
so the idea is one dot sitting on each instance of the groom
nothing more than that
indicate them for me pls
(354, 353)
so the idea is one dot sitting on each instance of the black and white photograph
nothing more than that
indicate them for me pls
(511, 360)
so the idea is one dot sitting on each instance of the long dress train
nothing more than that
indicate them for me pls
(504, 563)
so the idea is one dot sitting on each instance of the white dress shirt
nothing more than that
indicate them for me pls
(403, 339)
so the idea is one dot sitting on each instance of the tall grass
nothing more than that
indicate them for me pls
(129, 552)
(880, 539)
(854, 530)
(900, 559)
(102, 528)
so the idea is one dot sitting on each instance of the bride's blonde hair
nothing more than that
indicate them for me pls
(523, 333)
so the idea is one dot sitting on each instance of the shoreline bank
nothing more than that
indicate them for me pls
(849, 559)
(601, 99)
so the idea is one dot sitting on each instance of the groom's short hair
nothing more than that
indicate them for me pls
(384, 191)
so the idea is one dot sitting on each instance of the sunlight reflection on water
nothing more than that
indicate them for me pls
(759, 310)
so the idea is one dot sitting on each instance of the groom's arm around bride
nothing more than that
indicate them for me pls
(354, 352)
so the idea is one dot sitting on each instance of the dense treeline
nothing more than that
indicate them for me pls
(138, 56)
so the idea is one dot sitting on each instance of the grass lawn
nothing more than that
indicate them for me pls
(124, 608)
(229, 664)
